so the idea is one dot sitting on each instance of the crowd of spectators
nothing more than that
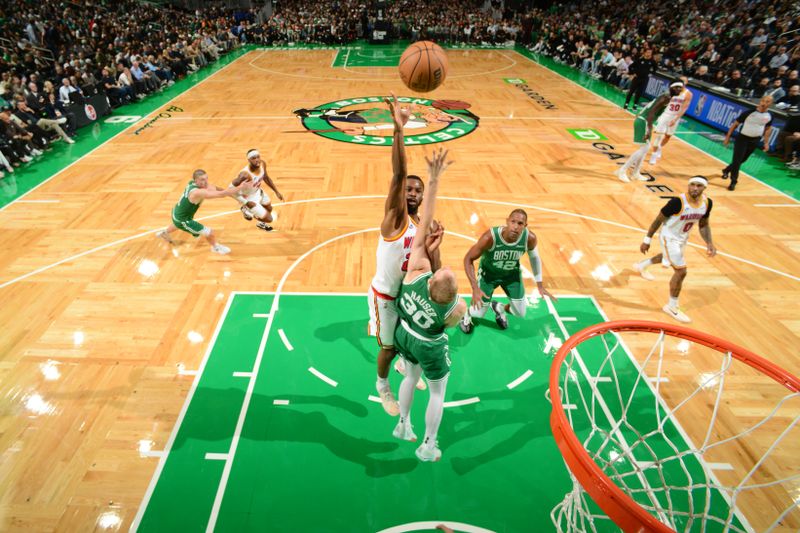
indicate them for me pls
(749, 47)
(56, 53)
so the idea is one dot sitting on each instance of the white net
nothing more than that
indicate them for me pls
(694, 436)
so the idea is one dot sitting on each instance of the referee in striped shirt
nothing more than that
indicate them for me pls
(756, 123)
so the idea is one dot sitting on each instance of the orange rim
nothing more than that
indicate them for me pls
(619, 507)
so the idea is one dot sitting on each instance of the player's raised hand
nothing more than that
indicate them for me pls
(434, 237)
(400, 115)
(438, 163)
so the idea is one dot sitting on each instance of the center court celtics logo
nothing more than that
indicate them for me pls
(367, 120)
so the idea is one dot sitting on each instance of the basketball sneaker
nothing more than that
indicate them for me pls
(641, 177)
(428, 453)
(400, 368)
(404, 431)
(677, 314)
(622, 174)
(246, 213)
(264, 226)
(164, 235)
(643, 272)
(388, 401)
(466, 324)
(220, 249)
(655, 157)
(499, 315)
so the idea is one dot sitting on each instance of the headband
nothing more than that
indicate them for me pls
(700, 180)
(677, 84)
(252, 153)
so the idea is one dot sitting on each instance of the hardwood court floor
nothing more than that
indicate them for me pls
(103, 323)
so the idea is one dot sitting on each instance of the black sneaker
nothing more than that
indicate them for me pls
(732, 186)
(245, 214)
(499, 315)
(465, 326)
(725, 174)
(264, 226)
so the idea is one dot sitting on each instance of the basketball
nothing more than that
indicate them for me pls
(423, 66)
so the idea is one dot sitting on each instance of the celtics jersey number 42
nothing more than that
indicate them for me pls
(502, 259)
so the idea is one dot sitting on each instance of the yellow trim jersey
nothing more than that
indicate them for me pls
(392, 260)
(257, 179)
(681, 217)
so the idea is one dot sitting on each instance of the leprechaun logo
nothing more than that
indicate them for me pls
(367, 120)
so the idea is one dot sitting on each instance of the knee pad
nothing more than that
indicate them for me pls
(258, 211)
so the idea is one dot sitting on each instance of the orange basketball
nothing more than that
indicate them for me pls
(423, 66)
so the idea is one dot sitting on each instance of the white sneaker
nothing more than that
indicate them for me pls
(677, 314)
(622, 174)
(639, 177)
(61, 120)
(25, 159)
(655, 157)
(164, 235)
(220, 249)
(389, 402)
(36, 152)
(428, 453)
(400, 368)
(68, 140)
(643, 272)
(404, 431)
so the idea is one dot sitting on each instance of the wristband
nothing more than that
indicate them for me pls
(647, 239)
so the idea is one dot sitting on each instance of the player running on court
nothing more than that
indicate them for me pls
(398, 228)
(642, 132)
(499, 250)
(428, 303)
(678, 218)
(670, 118)
(255, 202)
(196, 191)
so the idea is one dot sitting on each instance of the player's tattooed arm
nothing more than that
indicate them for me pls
(705, 232)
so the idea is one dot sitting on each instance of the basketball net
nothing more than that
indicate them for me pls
(617, 421)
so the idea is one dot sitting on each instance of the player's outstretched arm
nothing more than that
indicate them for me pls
(536, 265)
(419, 260)
(473, 254)
(197, 195)
(396, 210)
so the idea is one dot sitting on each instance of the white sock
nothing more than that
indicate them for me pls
(433, 414)
(382, 383)
(407, 388)
(636, 158)
(673, 302)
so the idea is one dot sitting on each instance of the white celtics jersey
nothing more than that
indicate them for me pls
(258, 177)
(675, 105)
(681, 217)
(392, 258)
